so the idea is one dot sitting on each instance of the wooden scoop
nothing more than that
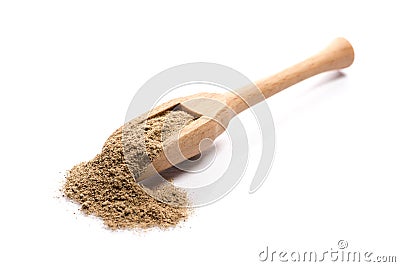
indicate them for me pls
(213, 111)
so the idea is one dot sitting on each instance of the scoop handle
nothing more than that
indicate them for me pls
(339, 54)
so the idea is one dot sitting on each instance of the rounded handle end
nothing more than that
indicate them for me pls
(340, 52)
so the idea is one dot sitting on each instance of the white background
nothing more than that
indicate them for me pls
(68, 70)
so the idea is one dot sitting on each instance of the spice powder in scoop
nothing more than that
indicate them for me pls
(105, 186)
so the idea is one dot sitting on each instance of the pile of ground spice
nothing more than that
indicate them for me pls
(105, 186)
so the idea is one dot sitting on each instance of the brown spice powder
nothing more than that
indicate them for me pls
(105, 186)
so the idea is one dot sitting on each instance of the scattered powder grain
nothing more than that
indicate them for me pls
(105, 186)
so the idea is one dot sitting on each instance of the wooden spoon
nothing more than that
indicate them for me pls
(213, 111)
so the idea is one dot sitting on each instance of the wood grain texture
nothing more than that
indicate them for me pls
(338, 55)
(214, 111)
